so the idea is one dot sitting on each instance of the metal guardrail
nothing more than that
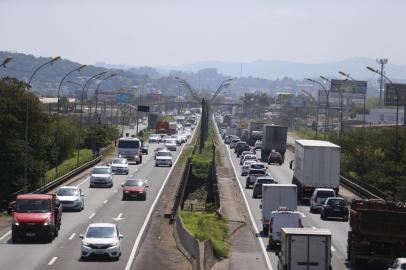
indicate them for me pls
(359, 190)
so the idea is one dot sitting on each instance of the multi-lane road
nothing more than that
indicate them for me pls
(283, 174)
(101, 205)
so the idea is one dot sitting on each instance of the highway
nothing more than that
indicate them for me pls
(101, 205)
(283, 174)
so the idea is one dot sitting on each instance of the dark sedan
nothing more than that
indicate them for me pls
(334, 207)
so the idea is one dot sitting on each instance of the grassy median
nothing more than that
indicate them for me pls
(206, 225)
(84, 156)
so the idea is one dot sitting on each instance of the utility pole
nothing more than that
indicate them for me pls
(382, 62)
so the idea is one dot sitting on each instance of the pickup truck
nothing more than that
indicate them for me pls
(36, 215)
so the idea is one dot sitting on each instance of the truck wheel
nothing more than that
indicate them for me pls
(14, 237)
(140, 160)
(49, 237)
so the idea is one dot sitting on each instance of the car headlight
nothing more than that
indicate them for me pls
(85, 244)
(126, 191)
(47, 222)
(15, 222)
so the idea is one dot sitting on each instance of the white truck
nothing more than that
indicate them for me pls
(130, 148)
(282, 218)
(305, 249)
(275, 196)
(316, 165)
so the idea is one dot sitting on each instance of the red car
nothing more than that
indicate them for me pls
(134, 189)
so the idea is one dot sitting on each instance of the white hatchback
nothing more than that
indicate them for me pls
(101, 239)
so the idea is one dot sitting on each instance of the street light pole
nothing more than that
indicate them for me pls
(6, 61)
(326, 122)
(97, 90)
(26, 117)
(341, 107)
(57, 120)
(317, 111)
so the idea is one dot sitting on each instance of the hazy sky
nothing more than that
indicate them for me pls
(175, 32)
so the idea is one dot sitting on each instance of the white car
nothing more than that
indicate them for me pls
(398, 264)
(258, 144)
(246, 167)
(249, 157)
(101, 239)
(170, 144)
(234, 142)
(163, 157)
(258, 165)
(119, 166)
(183, 138)
(319, 197)
(71, 197)
(154, 138)
(101, 176)
(187, 134)
(177, 139)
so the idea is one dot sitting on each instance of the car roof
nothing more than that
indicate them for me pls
(335, 198)
(102, 225)
(34, 196)
(101, 167)
(72, 187)
(324, 189)
(164, 150)
(136, 179)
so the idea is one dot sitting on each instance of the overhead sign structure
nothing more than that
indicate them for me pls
(349, 88)
(390, 94)
(123, 97)
(297, 102)
(142, 108)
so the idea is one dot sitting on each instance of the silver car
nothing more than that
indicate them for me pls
(71, 198)
(119, 166)
(101, 176)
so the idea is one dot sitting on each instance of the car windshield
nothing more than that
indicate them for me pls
(265, 181)
(68, 192)
(325, 194)
(260, 172)
(119, 161)
(128, 144)
(134, 183)
(336, 202)
(250, 157)
(170, 141)
(101, 170)
(163, 154)
(257, 166)
(101, 232)
(33, 206)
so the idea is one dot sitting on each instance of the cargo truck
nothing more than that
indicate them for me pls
(275, 196)
(273, 138)
(162, 127)
(305, 249)
(152, 120)
(377, 232)
(316, 165)
(255, 132)
(36, 215)
(173, 128)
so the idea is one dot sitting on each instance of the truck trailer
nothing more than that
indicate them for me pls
(255, 132)
(273, 138)
(316, 165)
(377, 232)
(305, 249)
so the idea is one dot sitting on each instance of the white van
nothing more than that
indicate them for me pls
(282, 218)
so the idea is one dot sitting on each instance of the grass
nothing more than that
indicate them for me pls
(69, 164)
(204, 226)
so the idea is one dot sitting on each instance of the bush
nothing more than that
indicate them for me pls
(67, 165)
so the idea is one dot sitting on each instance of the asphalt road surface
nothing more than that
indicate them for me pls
(101, 205)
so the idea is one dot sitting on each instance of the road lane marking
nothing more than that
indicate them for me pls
(92, 215)
(115, 190)
(141, 232)
(313, 227)
(51, 262)
(105, 201)
(119, 217)
(71, 237)
(333, 249)
(84, 181)
(264, 252)
(5, 235)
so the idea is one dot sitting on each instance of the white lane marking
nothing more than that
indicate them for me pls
(333, 249)
(141, 232)
(119, 217)
(51, 262)
(92, 215)
(84, 181)
(115, 190)
(264, 253)
(313, 227)
(71, 237)
(105, 201)
(5, 235)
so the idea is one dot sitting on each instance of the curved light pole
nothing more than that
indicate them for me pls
(57, 120)
(326, 122)
(223, 85)
(6, 61)
(26, 117)
(341, 107)
(87, 83)
(97, 89)
(317, 111)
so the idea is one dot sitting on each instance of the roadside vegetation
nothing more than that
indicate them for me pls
(42, 137)
(373, 160)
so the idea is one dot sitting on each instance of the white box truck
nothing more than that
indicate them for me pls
(305, 249)
(316, 165)
(275, 196)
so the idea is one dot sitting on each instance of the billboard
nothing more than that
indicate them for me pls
(297, 102)
(349, 88)
(142, 108)
(390, 94)
(123, 97)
